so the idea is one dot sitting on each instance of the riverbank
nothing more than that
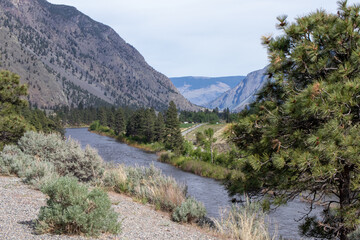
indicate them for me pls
(188, 164)
(20, 205)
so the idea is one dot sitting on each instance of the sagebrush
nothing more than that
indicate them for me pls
(189, 211)
(67, 156)
(71, 209)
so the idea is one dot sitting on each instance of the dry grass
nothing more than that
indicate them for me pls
(221, 145)
(244, 223)
(145, 184)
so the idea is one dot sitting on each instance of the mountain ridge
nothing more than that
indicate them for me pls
(201, 90)
(237, 98)
(67, 58)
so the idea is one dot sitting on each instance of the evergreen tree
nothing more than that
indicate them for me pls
(173, 138)
(159, 128)
(136, 124)
(110, 117)
(12, 124)
(302, 135)
(149, 121)
(102, 116)
(119, 125)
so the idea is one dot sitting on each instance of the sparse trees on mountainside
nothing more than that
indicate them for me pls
(302, 135)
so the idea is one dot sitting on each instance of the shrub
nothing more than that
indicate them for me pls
(27, 167)
(115, 179)
(166, 157)
(14, 161)
(355, 235)
(95, 125)
(71, 209)
(39, 172)
(189, 211)
(244, 222)
(67, 156)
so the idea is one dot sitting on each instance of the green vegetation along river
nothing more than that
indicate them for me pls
(212, 193)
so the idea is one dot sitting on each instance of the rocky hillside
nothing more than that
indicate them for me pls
(237, 98)
(66, 58)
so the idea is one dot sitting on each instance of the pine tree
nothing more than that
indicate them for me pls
(136, 124)
(119, 125)
(110, 117)
(12, 124)
(102, 116)
(173, 138)
(159, 128)
(302, 135)
(149, 121)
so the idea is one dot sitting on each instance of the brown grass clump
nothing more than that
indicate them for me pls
(147, 185)
(246, 222)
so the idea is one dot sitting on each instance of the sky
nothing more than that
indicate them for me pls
(198, 37)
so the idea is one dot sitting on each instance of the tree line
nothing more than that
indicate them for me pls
(141, 125)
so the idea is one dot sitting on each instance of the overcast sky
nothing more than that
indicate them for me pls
(198, 37)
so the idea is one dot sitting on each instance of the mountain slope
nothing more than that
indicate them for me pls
(237, 98)
(68, 58)
(201, 90)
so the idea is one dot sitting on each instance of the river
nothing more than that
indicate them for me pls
(212, 193)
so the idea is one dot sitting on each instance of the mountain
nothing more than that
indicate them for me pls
(243, 94)
(201, 90)
(67, 58)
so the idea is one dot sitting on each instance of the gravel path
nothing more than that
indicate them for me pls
(20, 205)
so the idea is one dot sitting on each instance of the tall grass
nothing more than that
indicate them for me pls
(246, 222)
(201, 168)
(147, 184)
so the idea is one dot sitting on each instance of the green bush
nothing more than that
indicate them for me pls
(189, 211)
(355, 235)
(71, 209)
(95, 125)
(38, 173)
(27, 167)
(14, 161)
(68, 157)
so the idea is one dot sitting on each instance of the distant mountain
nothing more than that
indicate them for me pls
(201, 90)
(67, 58)
(243, 94)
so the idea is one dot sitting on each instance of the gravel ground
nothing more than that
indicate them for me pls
(20, 205)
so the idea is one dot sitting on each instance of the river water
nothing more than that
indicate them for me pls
(212, 193)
